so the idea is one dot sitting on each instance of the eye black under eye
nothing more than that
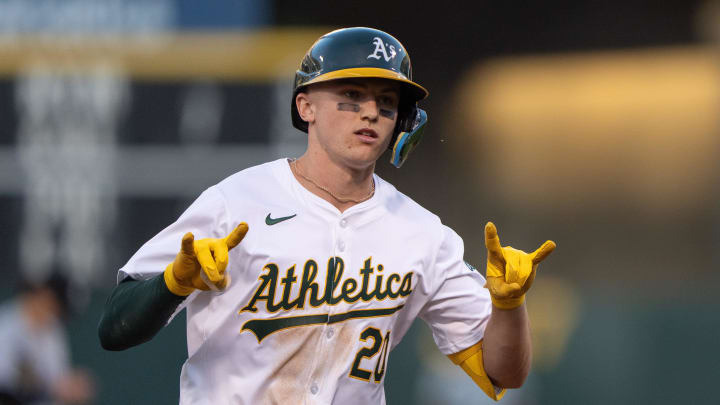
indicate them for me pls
(387, 113)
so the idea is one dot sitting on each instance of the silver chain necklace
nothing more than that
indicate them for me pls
(342, 199)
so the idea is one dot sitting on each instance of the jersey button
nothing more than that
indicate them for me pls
(314, 388)
(330, 332)
(343, 223)
(341, 246)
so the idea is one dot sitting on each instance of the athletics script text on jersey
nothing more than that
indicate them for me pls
(349, 290)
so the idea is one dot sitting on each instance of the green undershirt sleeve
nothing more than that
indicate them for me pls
(135, 312)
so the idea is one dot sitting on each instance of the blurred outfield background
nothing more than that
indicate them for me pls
(595, 124)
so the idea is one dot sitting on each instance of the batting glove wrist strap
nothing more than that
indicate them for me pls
(508, 303)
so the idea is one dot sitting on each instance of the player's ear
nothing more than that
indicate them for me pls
(305, 107)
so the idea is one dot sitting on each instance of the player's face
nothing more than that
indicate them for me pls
(352, 121)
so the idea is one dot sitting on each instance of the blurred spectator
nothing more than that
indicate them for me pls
(35, 367)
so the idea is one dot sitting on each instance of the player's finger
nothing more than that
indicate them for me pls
(225, 282)
(208, 264)
(500, 289)
(236, 235)
(525, 268)
(220, 252)
(187, 244)
(213, 286)
(529, 282)
(492, 241)
(201, 283)
(543, 251)
(511, 290)
(512, 269)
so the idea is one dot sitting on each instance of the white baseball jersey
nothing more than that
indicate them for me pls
(318, 298)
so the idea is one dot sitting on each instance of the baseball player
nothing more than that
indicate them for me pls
(299, 276)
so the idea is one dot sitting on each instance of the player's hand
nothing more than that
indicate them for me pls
(510, 272)
(201, 264)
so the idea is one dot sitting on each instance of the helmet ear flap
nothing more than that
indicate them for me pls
(406, 117)
(408, 133)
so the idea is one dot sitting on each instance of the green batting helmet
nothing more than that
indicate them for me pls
(361, 52)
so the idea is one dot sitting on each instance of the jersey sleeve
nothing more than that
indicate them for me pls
(205, 218)
(458, 311)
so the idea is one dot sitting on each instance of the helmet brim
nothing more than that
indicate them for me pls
(417, 92)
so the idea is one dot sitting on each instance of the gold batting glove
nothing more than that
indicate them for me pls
(201, 264)
(510, 272)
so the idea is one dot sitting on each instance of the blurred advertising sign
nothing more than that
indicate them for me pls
(607, 130)
(18, 17)
(105, 105)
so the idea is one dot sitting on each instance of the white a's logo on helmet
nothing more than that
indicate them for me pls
(380, 47)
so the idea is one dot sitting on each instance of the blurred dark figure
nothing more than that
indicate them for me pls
(34, 356)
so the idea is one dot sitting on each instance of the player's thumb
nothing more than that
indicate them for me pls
(500, 289)
(543, 251)
(236, 235)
